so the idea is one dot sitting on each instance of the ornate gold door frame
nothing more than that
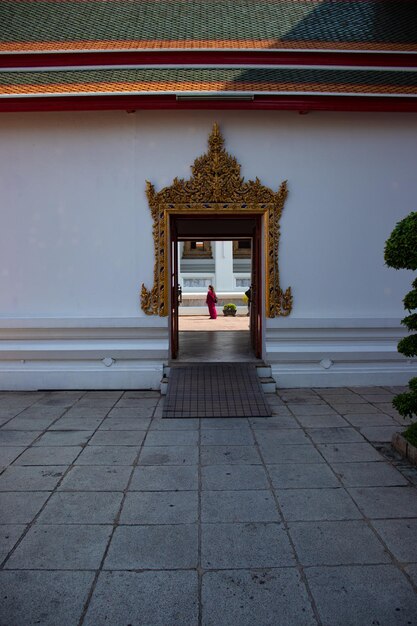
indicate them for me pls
(216, 188)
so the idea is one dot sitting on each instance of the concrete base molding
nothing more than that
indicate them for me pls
(129, 353)
(86, 353)
(337, 352)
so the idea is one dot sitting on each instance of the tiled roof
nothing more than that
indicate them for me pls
(209, 80)
(66, 25)
(277, 49)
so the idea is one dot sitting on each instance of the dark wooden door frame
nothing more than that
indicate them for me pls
(256, 319)
(174, 294)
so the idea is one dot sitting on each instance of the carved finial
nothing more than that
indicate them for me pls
(216, 140)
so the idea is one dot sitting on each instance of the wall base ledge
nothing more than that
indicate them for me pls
(39, 375)
(352, 375)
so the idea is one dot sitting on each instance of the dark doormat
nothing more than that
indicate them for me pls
(215, 390)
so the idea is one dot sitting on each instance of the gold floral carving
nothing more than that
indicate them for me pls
(216, 187)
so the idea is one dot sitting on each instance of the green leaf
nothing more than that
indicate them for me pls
(408, 346)
(410, 321)
(406, 404)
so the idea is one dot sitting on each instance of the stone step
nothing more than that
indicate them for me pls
(268, 384)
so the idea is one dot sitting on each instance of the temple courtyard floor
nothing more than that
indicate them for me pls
(111, 515)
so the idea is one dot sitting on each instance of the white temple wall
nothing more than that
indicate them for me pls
(76, 241)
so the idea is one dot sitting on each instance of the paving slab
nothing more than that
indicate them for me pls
(386, 407)
(40, 478)
(238, 506)
(76, 423)
(229, 455)
(18, 437)
(171, 438)
(278, 453)
(153, 547)
(411, 570)
(117, 438)
(366, 420)
(233, 477)
(386, 502)
(368, 474)
(274, 421)
(157, 598)
(336, 543)
(334, 435)
(217, 437)
(300, 410)
(61, 547)
(96, 478)
(297, 396)
(249, 545)
(175, 424)
(322, 421)
(21, 507)
(46, 598)
(278, 410)
(29, 423)
(142, 393)
(81, 508)
(281, 437)
(379, 433)
(249, 597)
(146, 411)
(87, 412)
(346, 408)
(165, 478)
(363, 594)
(102, 395)
(9, 535)
(9, 453)
(160, 507)
(302, 476)
(127, 402)
(169, 455)
(107, 455)
(223, 423)
(400, 537)
(39, 411)
(64, 438)
(48, 455)
(316, 504)
(348, 452)
(344, 398)
(125, 423)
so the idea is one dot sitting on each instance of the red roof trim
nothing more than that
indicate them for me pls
(302, 104)
(208, 57)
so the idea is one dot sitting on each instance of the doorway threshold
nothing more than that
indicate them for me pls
(215, 346)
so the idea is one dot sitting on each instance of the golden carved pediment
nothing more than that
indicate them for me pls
(216, 186)
(216, 178)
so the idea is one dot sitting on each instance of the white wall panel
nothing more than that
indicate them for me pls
(76, 232)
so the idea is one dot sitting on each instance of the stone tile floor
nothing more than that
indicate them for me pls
(111, 515)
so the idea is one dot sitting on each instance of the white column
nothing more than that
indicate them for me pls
(223, 255)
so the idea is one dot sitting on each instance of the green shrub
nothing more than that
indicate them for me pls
(230, 308)
(401, 247)
(401, 253)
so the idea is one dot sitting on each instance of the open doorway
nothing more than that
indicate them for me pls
(223, 251)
